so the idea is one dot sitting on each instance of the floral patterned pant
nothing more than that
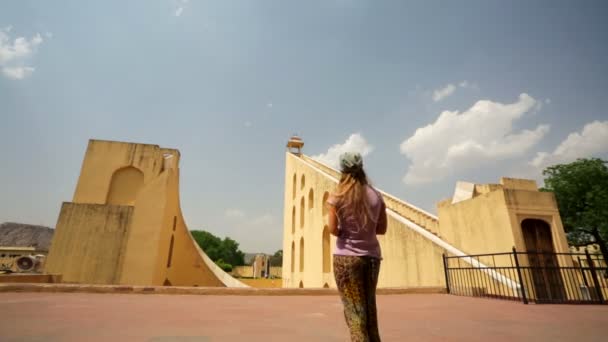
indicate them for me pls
(356, 278)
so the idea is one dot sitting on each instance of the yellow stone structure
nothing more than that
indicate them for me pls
(125, 225)
(489, 218)
(494, 218)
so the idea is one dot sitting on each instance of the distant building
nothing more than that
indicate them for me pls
(258, 266)
(21, 259)
(23, 247)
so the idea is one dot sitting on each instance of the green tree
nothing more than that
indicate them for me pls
(225, 253)
(223, 265)
(277, 258)
(231, 253)
(581, 190)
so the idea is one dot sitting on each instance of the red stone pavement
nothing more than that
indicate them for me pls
(413, 317)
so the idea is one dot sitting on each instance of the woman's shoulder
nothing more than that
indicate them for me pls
(376, 192)
(332, 199)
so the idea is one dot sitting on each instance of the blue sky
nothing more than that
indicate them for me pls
(433, 91)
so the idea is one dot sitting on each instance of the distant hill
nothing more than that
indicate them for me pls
(25, 235)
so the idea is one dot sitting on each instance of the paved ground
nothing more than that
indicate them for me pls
(137, 317)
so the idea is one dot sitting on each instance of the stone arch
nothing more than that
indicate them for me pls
(324, 204)
(546, 278)
(326, 251)
(302, 182)
(311, 199)
(326, 286)
(537, 235)
(170, 256)
(124, 186)
(301, 285)
(302, 211)
(293, 193)
(301, 254)
(293, 256)
(293, 220)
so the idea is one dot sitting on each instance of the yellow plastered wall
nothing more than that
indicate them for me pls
(409, 259)
(243, 271)
(480, 225)
(310, 231)
(491, 222)
(104, 158)
(89, 243)
(526, 204)
(156, 248)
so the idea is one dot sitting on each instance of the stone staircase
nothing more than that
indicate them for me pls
(408, 211)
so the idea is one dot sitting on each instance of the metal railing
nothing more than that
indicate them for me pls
(539, 277)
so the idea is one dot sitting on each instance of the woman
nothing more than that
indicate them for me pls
(356, 214)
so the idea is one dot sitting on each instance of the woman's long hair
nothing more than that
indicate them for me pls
(352, 195)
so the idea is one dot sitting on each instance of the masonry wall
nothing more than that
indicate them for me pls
(125, 225)
(409, 259)
(104, 158)
(526, 204)
(89, 243)
(479, 225)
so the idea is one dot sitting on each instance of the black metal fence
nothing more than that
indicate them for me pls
(556, 278)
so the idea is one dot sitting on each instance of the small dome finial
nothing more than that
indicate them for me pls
(295, 144)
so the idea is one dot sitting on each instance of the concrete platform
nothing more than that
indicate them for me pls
(422, 317)
(30, 278)
(216, 291)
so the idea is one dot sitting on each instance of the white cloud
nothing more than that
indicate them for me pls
(444, 92)
(468, 85)
(449, 89)
(181, 5)
(263, 220)
(354, 143)
(245, 220)
(17, 73)
(458, 141)
(234, 213)
(592, 141)
(14, 53)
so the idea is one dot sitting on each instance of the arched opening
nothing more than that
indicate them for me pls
(326, 251)
(548, 284)
(293, 191)
(301, 254)
(293, 220)
(324, 204)
(124, 186)
(311, 200)
(170, 256)
(302, 182)
(301, 285)
(293, 256)
(326, 286)
(302, 210)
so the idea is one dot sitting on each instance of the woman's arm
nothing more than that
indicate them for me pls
(333, 220)
(381, 226)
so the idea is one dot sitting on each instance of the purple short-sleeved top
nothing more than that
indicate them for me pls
(355, 240)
